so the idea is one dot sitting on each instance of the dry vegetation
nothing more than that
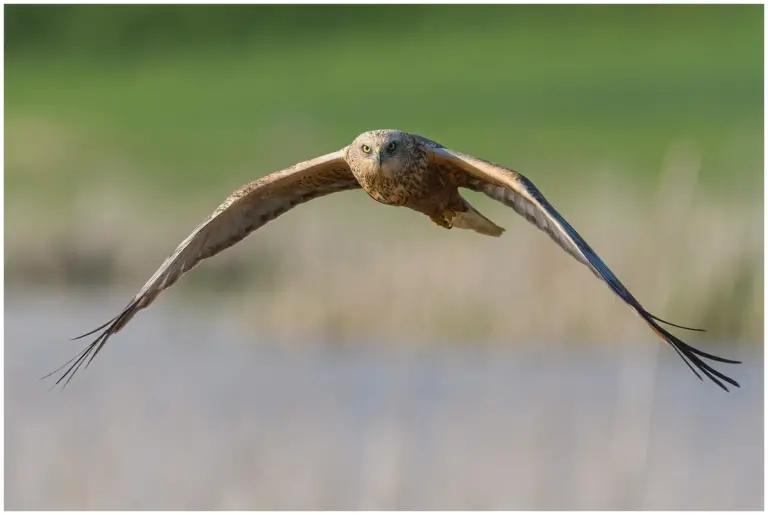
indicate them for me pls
(344, 266)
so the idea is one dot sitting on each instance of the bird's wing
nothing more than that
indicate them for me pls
(244, 211)
(519, 193)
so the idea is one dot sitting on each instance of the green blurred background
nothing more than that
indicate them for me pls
(156, 113)
(187, 92)
(405, 381)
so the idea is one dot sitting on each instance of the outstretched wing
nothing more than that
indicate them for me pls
(244, 211)
(519, 193)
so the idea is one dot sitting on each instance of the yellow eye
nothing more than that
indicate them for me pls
(366, 149)
(391, 146)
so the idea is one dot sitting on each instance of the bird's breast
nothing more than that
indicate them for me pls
(386, 191)
(406, 189)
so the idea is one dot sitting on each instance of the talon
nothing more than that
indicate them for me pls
(445, 221)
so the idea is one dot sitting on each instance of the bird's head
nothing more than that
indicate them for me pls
(382, 152)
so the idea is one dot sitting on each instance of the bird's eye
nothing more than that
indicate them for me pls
(366, 149)
(391, 146)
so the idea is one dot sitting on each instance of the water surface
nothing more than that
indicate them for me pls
(184, 409)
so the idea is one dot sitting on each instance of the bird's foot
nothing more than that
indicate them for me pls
(444, 220)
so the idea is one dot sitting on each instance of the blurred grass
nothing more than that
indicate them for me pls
(125, 126)
(535, 95)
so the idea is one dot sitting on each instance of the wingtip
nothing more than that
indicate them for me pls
(694, 355)
(698, 330)
(89, 333)
(732, 382)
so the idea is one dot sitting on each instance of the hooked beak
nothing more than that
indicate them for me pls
(378, 155)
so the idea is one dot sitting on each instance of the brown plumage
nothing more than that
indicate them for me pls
(399, 169)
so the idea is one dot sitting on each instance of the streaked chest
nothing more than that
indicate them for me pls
(385, 190)
(414, 187)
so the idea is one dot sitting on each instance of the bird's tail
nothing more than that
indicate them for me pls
(472, 219)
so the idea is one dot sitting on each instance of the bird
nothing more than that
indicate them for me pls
(395, 168)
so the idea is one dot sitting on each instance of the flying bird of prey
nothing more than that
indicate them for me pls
(397, 169)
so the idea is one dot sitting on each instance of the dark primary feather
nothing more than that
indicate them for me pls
(519, 193)
(93, 348)
(683, 349)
